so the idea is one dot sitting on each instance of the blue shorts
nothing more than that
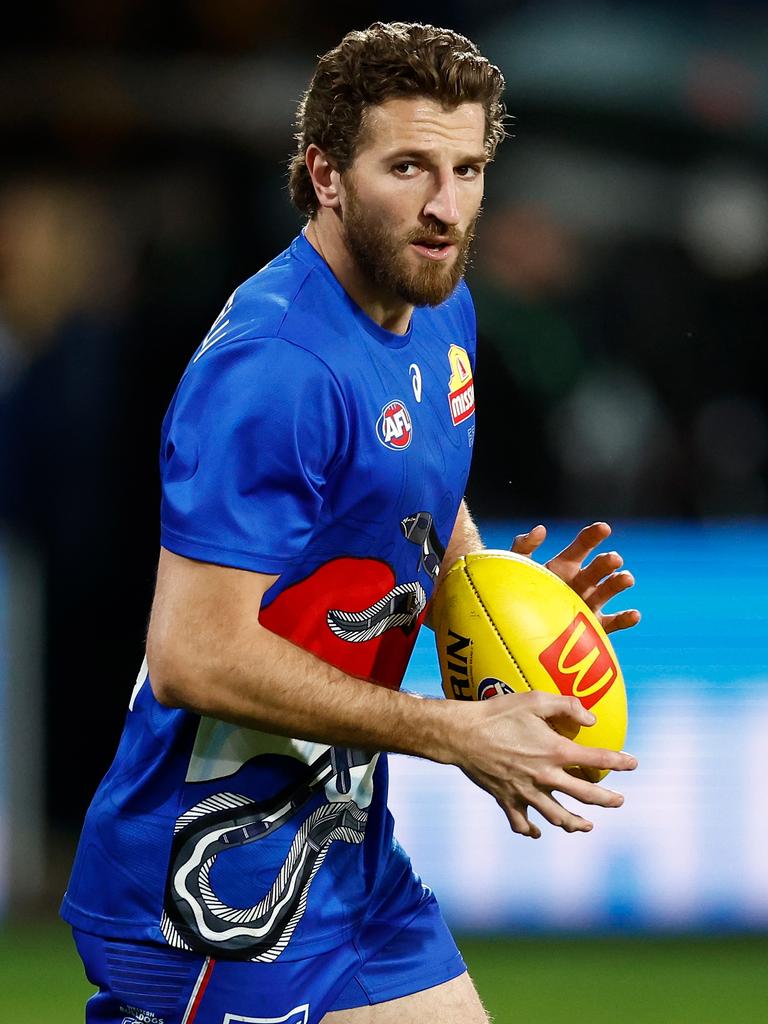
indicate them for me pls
(143, 983)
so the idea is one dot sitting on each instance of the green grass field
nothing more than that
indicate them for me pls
(542, 981)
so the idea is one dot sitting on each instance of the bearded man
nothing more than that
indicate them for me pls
(238, 861)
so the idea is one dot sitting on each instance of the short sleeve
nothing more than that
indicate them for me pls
(255, 428)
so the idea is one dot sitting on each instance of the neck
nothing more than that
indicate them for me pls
(325, 233)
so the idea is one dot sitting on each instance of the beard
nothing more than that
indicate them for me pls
(382, 256)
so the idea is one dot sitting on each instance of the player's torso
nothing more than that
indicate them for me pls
(242, 844)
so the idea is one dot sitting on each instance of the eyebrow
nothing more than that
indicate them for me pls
(404, 154)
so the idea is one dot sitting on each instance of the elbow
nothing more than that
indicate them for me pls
(168, 676)
(166, 687)
(166, 691)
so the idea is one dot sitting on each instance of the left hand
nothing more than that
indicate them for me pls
(595, 583)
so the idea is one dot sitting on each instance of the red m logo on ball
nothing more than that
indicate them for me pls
(579, 662)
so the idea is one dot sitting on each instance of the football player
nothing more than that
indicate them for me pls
(238, 861)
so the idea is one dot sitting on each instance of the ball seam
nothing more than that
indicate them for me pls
(487, 614)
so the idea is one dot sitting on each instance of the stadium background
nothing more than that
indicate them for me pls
(620, 282)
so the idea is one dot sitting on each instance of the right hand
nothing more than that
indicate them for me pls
(515, 746)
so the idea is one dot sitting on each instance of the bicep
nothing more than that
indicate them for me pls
(198, 609)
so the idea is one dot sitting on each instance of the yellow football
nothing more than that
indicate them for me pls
(503, 623)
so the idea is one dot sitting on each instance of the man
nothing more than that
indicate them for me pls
(238, 862)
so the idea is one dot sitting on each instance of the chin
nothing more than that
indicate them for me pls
(433, 296)
(429, 284)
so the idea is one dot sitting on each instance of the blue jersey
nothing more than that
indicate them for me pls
(304, 441)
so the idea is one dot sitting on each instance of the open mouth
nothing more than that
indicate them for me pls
(434, 249)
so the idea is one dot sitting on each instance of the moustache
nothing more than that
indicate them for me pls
(446, 235)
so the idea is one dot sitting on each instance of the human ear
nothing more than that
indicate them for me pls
(325, 177)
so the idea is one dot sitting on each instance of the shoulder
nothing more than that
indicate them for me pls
(253, 357)
(249, 370)
(291, 299)
(255, 398)
(259, 306)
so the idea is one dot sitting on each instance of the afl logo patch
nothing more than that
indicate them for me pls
(393, 427)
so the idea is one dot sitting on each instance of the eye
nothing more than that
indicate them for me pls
(468, 172)
(406, 169)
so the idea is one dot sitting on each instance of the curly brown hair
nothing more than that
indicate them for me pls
(377, 64)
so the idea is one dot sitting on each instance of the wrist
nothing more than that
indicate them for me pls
(439, 728)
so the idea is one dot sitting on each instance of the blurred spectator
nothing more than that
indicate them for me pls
(529, 264)
(106, 294)
(725, 220)
(63, 280)
(529, 355)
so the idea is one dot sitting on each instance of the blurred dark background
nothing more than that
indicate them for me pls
(620, 278)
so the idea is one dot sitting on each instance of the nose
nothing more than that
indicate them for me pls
(442, 203)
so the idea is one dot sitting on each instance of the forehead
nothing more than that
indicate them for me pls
(406, 121)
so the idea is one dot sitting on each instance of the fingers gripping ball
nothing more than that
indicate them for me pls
(504, 623)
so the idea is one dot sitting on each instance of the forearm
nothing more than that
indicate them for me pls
(254, 678)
